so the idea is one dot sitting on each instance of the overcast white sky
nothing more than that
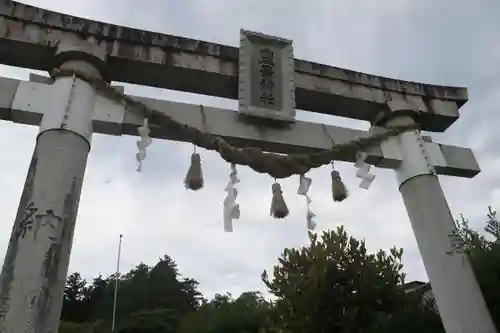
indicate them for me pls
(453, 42)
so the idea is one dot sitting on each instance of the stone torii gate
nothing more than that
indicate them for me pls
(69, 109)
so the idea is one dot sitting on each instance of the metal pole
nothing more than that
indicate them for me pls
(34, 272)
(117, 281)
(458, 297)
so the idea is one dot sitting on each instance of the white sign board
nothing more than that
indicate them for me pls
(266, 76)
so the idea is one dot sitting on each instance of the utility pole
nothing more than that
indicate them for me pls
(117, 281)
(36, 264)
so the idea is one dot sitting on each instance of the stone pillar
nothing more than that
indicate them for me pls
(36, 264)
(457, 294)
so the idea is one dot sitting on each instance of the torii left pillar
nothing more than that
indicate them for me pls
(36, 264)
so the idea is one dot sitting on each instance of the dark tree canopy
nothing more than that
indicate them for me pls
(224, 314)
(154, 295)
(335, 285)
(484, 252)
(332, 285)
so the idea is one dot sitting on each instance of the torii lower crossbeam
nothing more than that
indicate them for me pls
(23, 102)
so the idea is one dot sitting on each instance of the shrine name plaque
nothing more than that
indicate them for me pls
(266, 76)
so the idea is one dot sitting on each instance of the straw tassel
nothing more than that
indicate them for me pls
(194, 176)
(339, 191)
(279, 209)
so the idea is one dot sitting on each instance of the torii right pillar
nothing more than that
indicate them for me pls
(457, 294)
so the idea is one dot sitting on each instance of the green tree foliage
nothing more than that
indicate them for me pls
(332, 285)
(154, 298)
(150, 321)
(246, 314)
(69, 327)
(484, 252)
(74, 306)
(335, 285)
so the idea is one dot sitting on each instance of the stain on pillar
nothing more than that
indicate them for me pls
(7, 274)
(57, 258)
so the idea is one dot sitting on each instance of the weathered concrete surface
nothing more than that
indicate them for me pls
(36, 264)
(18, 104)
(458, 297)
(35, 267)
(29, 34)
(456, 291)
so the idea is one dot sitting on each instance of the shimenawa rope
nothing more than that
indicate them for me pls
(276, 165)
